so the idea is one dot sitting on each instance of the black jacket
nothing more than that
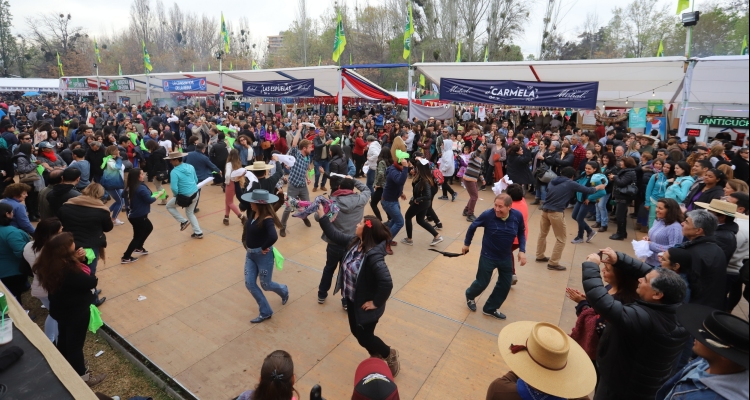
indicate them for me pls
(155, 163)
(557, 163)
(741, 168)
(710, 265)
(59, 195)
(726, 238)
(219, 154)
(518, 168)
(374, 280)
(641, 342)
(73, 298)
(716, 192)
(87, 225)
(421, 193)
(95, 159)
(624, 178)
(338, 165)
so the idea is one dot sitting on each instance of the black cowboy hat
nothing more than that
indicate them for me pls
(723, 333)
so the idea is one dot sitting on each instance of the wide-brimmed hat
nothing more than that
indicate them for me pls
(719, 206)
(373, 381)
(723, 333)
(260, 196)
(654, 139)
(547, 359)
(174, 155)
(259, 166)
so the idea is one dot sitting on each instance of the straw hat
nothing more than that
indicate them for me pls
(547, 359)
(719, 206)
(259, 166)
(260, 196)
(653, 139)
(174, 155)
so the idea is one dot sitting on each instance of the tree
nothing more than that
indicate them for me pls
(8, 51)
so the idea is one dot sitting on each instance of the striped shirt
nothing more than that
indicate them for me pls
(351, 265)
(474, 169)
(297, 176)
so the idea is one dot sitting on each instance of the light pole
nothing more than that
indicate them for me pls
(98, 85)
(219, 55)
(689, 20)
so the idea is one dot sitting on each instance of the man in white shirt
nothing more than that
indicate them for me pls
(409, 139)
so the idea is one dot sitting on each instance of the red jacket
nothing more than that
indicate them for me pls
(359, 147)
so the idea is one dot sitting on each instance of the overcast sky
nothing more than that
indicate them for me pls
(101, 17)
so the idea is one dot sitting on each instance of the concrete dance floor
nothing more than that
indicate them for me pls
(195, 320)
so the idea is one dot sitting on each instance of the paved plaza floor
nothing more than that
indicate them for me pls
(195, 320)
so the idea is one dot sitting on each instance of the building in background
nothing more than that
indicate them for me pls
(275, 43)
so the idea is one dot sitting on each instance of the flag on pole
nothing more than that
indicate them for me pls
(339, 42)
(660, 51)
(682, 5)
(350, 59)
(193, 67)
(422, 82)
(146, 58)
(119, 69)
(59, 65)
(487, 53)
(458, 55)
(743, 51)
(320, 60)
(209, 66)
(255, 65)
(224, 34)
(96, 51)
(231, 66)
(408, 31)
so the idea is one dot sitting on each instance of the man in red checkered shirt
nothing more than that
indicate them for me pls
(579, 151)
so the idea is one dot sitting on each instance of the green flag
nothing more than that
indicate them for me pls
(224, 34)
(209, 66)
(487, 53)
(96, 51)
(59, 65)
(320, 60)
(660, 51)
(350, 58)
(339, 42)
(193, 67)
(743, 51)
(231, 66)
(408, 31)
(422, 82)
(682, 5)
(119, 69)
(255, 65)
(458, 55)
(146, 58)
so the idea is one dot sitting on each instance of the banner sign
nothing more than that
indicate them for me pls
(285, 88)
(724, 122)
(655, 106)
(184, 85)
(580, 95)
(118, 85)
(76, 84)
(637, 118)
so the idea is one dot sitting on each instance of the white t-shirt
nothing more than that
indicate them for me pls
(167, 144)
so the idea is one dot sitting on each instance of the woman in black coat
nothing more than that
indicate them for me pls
(559, 160)
(339, 164)
(518, 162)
(364, 281)
(156, 167)
(711, 188)
(624, 178)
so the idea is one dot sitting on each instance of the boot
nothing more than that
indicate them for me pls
(603, 229)
(393, 363)
(388, 249)
(596, 225)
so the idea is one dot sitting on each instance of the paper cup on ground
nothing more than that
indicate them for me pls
(6, 331)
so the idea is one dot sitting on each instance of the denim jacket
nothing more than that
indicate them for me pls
(707, 387)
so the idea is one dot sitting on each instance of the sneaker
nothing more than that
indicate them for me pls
(141, 252)
(184, 225)
(465, 213)
(407, 242)
(453, 196)
(117, 222)
(225, 221)
(321, 300)
(471, 304)
(483, 188)
(282, 232)
(514, 280)
(93, 380)
(393, 363)
(577, 240)
(495, 314)
(436, 240)
(471, 217)
(285, 299)
(197, 236)
(343, 305)
(128, 260)
(443, 198)
(590, 236)
(438, 226)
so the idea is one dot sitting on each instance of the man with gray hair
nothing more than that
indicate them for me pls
(709, 261)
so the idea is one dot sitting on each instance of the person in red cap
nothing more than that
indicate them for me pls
(374, 381)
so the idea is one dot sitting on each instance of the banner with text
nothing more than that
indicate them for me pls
(580, 95)
(118, 85)
(76, 84)
(184, 85)
(284, 88)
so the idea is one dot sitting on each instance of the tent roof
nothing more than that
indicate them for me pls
(29, 84)
(721, 80)
(326, 79)
(619, 79)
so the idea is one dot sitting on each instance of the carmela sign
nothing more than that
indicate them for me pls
(724, 122)
(580, 95)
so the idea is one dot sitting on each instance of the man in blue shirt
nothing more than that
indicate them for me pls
(502, 225)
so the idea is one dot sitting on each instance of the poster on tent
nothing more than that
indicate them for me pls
(658, 124)
(637, 118)
(184, 85)
(118, 85)
(581, 95)
(75, 84)
(281, 88)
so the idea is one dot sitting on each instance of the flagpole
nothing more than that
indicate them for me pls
(221, 84)
(98, 85)
(341, 94)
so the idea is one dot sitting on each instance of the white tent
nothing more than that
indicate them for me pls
(29, 85)
(721, 80)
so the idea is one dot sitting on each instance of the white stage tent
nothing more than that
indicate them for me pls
(29, 85)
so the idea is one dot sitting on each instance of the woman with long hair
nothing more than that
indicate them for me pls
(679, 185)
(243, 146)
(259, 236)
(140, 206)
(365, 282)
(113, 180)
(69, 283)
(156, 167)
(657, 187)
(734, 186)
(26, 170)
(608, 167)
(666, 231)
(384, 161)
(624, 178)
(276, 379)
(711, 188)
(358, 153)
(586, 204)
(45, 230)
(12, 242)
(231, 170)
(420, 202)
(473, 175)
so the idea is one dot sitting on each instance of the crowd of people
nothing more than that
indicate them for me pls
(664, 316)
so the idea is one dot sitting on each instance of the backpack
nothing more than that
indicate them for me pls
(439, 177)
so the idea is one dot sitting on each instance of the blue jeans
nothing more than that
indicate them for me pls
(484, 275)
(371, 180)
(318, 164)
(580, 211)
(395, 219)
(602, 216)
(50, 325)
(259, 265)
(95, 262)
(541, 191)
(116, 207)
